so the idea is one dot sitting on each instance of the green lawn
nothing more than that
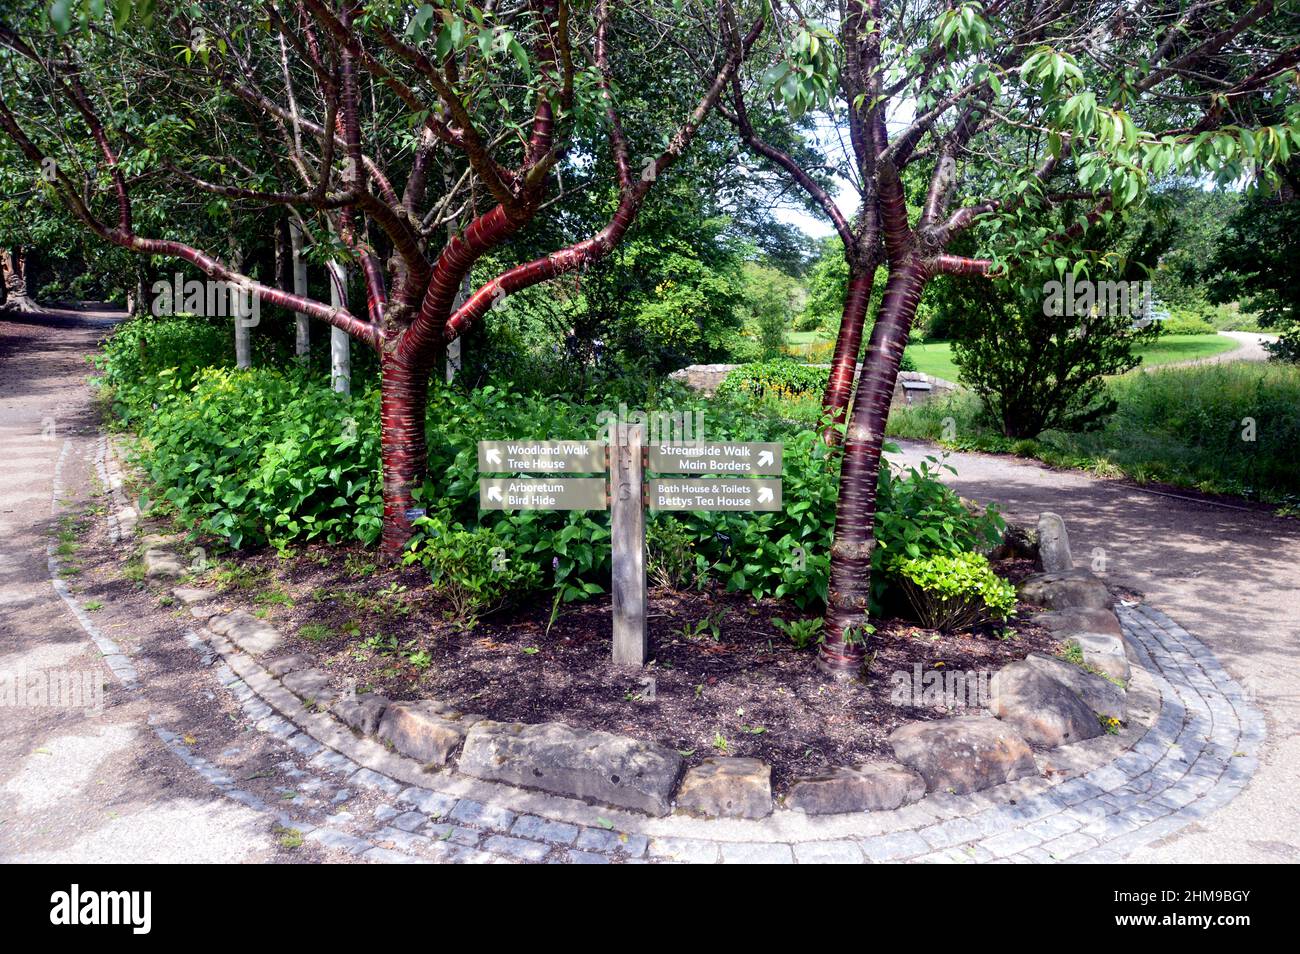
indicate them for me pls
(805, 337)
(935, 357)
(1186, 348)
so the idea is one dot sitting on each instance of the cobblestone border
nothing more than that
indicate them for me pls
(114, 657)
(1191, 745)
(121, 513)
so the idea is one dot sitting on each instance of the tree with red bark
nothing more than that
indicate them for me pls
(1018, 126)
(494, 96)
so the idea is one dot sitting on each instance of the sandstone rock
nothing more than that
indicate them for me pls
(1103, 652)
(963, 754)
(727, 788)
(1053, 544)
(192, 595)
(428, 731)
(600, 766)
(869, 787)
(1071, 589)
(162, 564)
(1044, 710)
(1080, 620)
(1100, 695)
(247, 632)
(362, 712)
(310, 685)
(1097, 643)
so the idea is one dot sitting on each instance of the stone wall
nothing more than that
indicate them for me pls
(912, 387)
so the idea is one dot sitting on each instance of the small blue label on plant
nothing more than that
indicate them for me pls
(415, 513)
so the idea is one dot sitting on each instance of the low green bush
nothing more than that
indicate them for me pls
(264, 455)
(776, 377)
(1186, 323)
(140, 349)
(274, 455)
(917, 517)
(472, 569)
(954, 591)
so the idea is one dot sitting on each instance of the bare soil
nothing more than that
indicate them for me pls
(748, 692)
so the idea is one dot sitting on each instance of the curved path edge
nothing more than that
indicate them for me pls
(1191, 745)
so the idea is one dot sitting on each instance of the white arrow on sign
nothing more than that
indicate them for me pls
(764, 494)
(494, 457)
(494, 493)
(764, 457)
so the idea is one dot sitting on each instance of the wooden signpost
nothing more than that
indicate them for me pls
(731, 486)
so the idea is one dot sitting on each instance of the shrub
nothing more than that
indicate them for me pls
(274, 455)
(671, 559)
(955, 591)
(1186, 323)
(265, 455)
(1036, 371)
(779, 376)
(472, 569)
(917, 517)
(140, 349)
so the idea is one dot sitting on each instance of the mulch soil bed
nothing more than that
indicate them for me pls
(748, 692)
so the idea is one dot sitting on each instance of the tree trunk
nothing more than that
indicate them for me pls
(302, 337)
(14, 266)
(243, 328)
(403, 444)
(848, 345)
(340, 341)
(849, 596)
(139, 301)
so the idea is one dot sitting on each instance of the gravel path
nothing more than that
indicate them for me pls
(1250, 347)
(88, 782)
(1230, 576)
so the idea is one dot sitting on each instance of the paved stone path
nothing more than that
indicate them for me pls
(1229, 575)
(84, 783)
(134, 780)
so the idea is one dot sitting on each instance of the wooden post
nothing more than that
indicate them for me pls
(340, 343)
(627, 539)
(302, 341)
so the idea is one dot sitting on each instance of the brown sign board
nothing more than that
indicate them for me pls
(522, 457)
(542, 493)
(718, 493)
(737, 459)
